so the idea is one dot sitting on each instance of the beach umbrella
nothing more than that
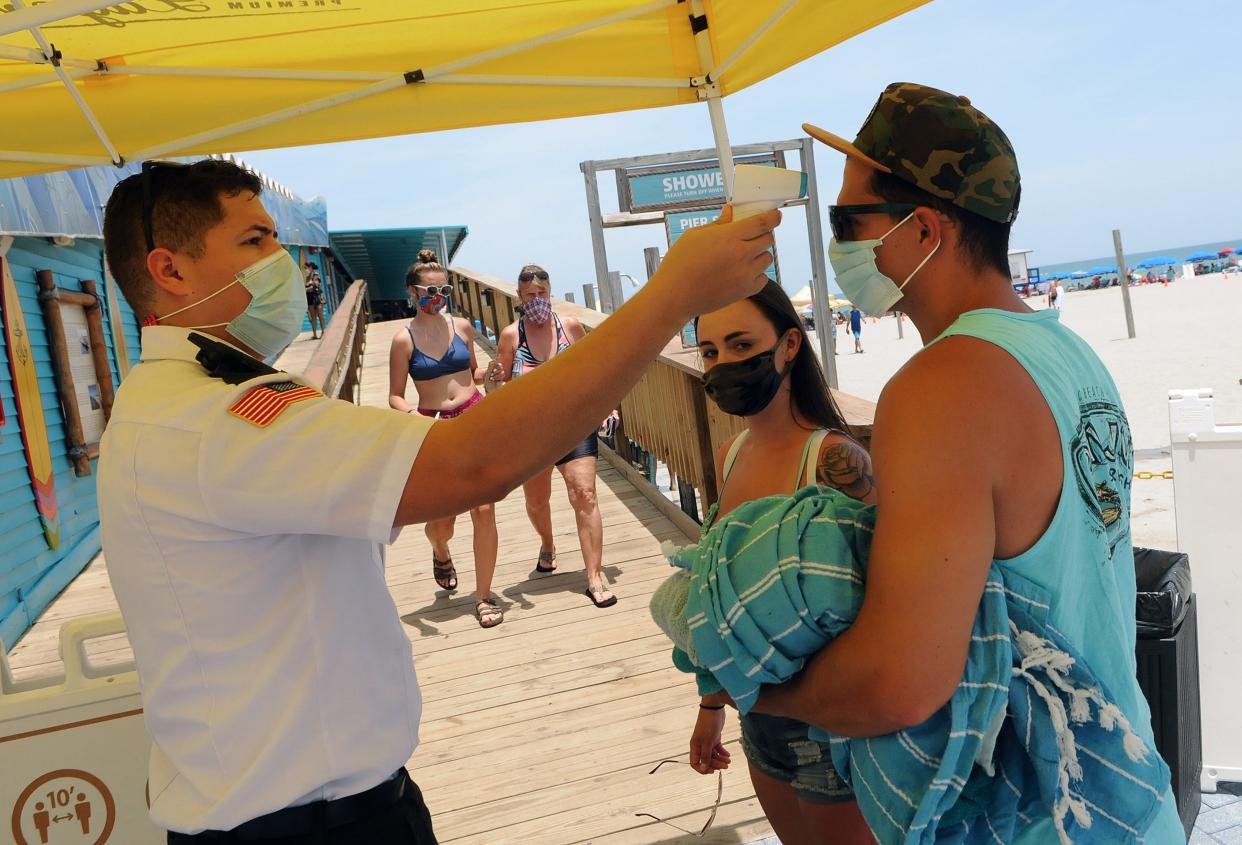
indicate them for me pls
(1228, 251)
(87, 82)
(802, 297)
(1079, 274)
(1101, 271)
(1161, 261)
(1201, 256)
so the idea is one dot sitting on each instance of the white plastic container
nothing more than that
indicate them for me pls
(1207, 465)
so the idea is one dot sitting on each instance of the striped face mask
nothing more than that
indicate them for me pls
(538, 310)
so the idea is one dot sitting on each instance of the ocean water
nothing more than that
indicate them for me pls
(1133, 258)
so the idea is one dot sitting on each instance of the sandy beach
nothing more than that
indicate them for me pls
(1187, 335)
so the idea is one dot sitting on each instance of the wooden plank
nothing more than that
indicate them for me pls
(543, 729)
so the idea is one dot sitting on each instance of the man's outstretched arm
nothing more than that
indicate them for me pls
(471, 460)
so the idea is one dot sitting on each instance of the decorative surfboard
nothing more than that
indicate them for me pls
(29, 407)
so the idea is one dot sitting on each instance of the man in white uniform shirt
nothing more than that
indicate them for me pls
(244, 514)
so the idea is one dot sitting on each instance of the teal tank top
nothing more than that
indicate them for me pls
(1085, 558)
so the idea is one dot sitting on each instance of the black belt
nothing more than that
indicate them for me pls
(306, 819)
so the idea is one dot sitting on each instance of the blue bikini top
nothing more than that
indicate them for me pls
(425, 368)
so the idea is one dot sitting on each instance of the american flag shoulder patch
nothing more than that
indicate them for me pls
(263, 404)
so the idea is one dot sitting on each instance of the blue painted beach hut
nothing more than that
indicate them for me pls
(69, 339)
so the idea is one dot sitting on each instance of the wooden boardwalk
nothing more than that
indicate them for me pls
(544, 729)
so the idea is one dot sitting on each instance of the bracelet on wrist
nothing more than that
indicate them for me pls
(711, 706)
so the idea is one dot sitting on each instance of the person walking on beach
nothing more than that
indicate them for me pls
(537, 336)
(245, 515)
(856, 324)
(436, 351)
(1059, 299)
(1051, 507)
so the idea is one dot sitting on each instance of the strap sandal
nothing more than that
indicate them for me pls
(488, 613)
(546, 557)
(593, 594)
(445, 573)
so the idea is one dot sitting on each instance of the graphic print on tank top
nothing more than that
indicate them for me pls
(1103, 457)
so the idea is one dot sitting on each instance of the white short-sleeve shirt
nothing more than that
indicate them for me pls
(249, 565)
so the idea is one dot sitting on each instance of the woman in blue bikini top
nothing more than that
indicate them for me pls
(436, 351)
(758, 364)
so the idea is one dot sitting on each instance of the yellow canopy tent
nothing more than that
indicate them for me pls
(86, 83)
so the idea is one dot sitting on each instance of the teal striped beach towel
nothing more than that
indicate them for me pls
(1030, 733)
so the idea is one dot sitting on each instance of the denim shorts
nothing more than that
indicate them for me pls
(781, 749)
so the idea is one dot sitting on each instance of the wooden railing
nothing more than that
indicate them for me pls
(336, 366)
(665, 418)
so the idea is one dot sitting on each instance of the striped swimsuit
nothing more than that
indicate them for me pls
(524, 361)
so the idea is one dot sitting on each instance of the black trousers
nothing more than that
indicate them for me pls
(406, 822)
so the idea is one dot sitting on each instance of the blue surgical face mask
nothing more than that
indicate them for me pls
(277, 304)
(860, 279)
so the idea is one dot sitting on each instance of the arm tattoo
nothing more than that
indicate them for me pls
(847, 467)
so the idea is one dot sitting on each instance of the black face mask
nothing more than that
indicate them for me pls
(744, 388)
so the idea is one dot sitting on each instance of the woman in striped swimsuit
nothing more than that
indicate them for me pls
(534, 338)
(447, 387)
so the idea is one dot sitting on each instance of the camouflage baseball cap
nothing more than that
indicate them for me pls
(940, 143)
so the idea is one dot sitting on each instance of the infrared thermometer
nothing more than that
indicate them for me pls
(758, 189)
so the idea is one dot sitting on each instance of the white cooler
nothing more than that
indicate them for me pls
(74, 749)
(1207, 480)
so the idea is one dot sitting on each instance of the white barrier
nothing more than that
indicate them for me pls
(1207, 486)
(74, 749)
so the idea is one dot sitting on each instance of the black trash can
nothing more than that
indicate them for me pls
(1168, 669)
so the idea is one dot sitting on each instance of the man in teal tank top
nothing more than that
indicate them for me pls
(1003, 440)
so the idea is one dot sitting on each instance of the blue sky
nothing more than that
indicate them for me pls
(1123, 114)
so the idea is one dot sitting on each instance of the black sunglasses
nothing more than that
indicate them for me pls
(531, 275)
(443, 290)
(149, 194)
(841, 217)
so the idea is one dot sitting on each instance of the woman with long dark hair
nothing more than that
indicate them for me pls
(758, 364)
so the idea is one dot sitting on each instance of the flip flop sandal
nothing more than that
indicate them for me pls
(608, 602)
(546, 557)
(489, 609)
(444, 573)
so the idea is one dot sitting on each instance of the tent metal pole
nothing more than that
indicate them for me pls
(369, 76)
(394, 82)
(723, 68)
(49, 79)
(710, 91)
(179, 144)
(56, 10)
(36, 57)
(49, 53)
(720, 131)
(549, 38)
(559, 81)
(252, 73)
